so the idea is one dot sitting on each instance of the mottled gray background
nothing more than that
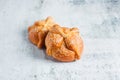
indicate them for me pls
(99, 24)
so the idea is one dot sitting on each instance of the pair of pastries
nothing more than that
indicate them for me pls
(63, 44)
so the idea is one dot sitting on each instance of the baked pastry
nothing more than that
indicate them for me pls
(64, 44)
(38, 31)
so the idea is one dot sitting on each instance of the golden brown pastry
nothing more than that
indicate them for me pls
(39, 30)
(64, 44)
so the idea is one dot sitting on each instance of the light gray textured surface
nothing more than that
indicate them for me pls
(99, 24)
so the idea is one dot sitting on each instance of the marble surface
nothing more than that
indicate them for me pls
(99, 24)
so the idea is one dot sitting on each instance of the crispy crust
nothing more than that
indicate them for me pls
(64, 44)
(39, 30)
